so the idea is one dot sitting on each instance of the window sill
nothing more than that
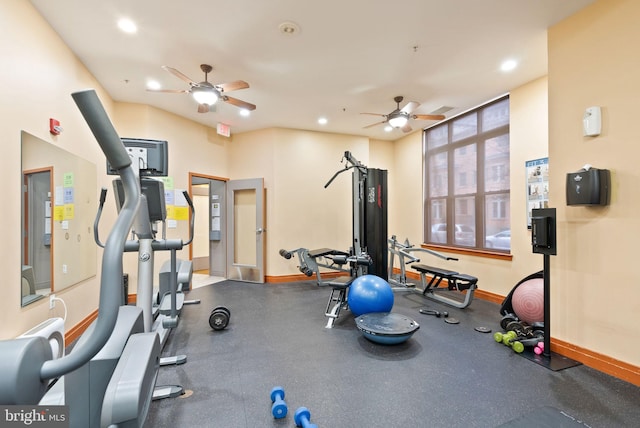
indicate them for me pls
(470, 252)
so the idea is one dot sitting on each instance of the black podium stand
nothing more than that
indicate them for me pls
(543, 241)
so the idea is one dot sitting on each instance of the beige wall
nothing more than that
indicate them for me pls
(37, 79)
(592, 61)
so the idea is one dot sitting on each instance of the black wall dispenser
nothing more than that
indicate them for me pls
(589, 186)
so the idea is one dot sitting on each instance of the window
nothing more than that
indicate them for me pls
(466, 179)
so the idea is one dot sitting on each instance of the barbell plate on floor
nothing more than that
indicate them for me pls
(452, 320)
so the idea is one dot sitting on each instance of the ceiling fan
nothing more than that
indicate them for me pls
(207, 94)
(399, 118)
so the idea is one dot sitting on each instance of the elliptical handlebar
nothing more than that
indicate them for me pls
(112, 268)
(193, 215)
(102, 128)
(103, 198)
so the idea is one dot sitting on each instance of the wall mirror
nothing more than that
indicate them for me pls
(59, 203)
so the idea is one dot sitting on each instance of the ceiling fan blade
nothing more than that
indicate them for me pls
(238, 103)
(406, 128)
(232, 86)
(411, 106)
(179, 75)
(374, 124)
(203, 108)
(428, 116)
(171, 91)
(375, 114)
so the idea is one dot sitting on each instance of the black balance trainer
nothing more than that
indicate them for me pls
(387, 328)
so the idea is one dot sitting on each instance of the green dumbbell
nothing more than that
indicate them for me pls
(509, 339)
(504, 337)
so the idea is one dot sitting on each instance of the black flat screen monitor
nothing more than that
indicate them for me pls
(153, 190)
(150, 155)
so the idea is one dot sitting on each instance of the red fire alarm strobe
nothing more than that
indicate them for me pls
(54, 127)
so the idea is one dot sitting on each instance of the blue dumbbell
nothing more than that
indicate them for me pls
(302, 418)
(279, 407)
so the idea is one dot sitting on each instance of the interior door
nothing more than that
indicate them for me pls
(245, 230)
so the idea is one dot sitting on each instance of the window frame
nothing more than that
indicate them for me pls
(448, 202)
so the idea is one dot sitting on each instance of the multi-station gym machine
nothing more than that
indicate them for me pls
(369, 194)
(368, 252)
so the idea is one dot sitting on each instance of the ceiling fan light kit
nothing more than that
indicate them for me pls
(399, 118)
(203, 95)
(207, 94)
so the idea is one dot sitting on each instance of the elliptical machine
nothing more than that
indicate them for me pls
(114, 349)
(160, 310)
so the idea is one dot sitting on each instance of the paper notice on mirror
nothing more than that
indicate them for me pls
(59, 196)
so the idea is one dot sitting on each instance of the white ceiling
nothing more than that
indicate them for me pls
(349, 56)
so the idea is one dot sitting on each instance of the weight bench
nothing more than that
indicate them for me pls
(455, 282)
(339, 287)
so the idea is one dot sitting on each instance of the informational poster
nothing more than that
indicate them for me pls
(537, 185)
(216, 218)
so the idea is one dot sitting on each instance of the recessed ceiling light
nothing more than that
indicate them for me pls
(322, 121)
(244, 112)
(388, 128)
(509, 65)
(289, 28)
(127, 25)
(154, 85)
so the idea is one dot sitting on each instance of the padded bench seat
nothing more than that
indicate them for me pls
(340, 282)
(434, 270)
(463, 281)
(455, 281)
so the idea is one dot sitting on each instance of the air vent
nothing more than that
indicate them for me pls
(442, 110)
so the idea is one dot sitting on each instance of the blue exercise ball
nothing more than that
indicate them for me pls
(369, 293)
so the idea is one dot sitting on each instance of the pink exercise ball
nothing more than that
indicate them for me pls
(528, 301)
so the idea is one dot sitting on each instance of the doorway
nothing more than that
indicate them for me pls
(228, 238)
(208, 250)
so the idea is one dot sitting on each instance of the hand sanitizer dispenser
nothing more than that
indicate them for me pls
(592, 121)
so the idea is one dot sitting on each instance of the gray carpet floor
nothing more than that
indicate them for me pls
(445, 375)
